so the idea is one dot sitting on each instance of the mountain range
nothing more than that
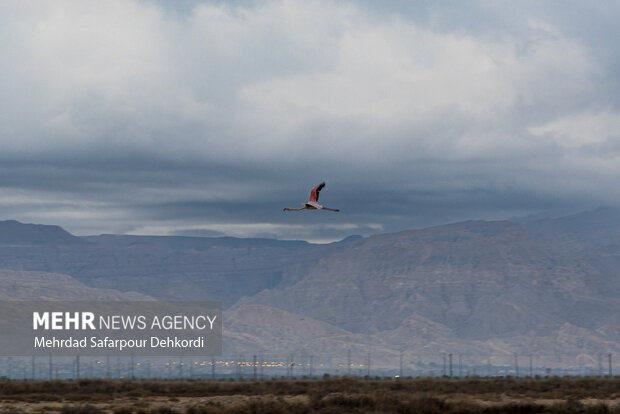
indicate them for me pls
(483, 289)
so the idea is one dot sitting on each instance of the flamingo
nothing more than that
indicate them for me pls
(312, 203)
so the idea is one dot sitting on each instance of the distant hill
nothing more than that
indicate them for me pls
(191, 243)
(23, 285)
(548, 287)
(171, 268)
(591, 236)
(588, 230)
(15, 233)
(499, 287)
(480, 279)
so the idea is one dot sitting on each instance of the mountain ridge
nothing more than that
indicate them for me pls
(12, 232)
(476, 286)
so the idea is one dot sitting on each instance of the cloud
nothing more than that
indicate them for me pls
(139, 116)
(196, 233)
(581, 129)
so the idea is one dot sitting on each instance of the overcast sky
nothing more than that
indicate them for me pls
(207, 118)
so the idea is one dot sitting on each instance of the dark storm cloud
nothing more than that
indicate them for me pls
(209, 117)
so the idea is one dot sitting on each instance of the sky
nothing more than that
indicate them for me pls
(206, 118)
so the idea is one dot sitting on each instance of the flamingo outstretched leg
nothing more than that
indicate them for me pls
(293, 209)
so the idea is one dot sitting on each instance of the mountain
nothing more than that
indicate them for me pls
(14, 233)
(480, 279)
(36, 286)
(251, 327)
(473, 287)
(592, 236)
(586, 231)
(170, 268)
(481, 288)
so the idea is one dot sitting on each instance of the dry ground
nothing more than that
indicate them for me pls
(330, 395)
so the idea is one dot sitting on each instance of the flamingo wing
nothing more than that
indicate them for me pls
(314, 193)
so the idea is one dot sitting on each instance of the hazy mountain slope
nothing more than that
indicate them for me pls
(174, 268)
(548, 287)
(268, 329)
(592, 236)
(586, 231)
(15, 233)
(193, 268)
(24, 285)
(480, 279)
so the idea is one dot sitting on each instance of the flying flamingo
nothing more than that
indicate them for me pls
(312, 203)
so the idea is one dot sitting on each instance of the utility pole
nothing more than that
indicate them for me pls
(450, 358)
(311, 366)
(254, 365)
(531, 368)
(516, 365)
(368, 366)
(609, 358)
(288, 366)
(212, 367)
(349, 362)
(600, 365)
(239, 368)
(401, 365)
(444, 371)
(292, 365)
(460, 366)
(330, 368)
